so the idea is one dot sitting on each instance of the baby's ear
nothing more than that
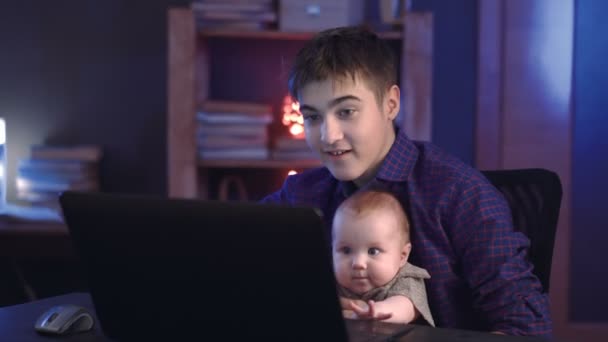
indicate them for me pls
(405, 253)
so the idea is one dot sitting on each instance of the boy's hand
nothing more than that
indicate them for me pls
(367, 310)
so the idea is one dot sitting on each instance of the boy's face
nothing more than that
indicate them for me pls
(368, 250)
(347, 127)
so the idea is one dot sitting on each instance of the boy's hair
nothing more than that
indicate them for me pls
(368, 201)
(345, 52)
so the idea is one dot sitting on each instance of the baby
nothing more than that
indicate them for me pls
(370, 247)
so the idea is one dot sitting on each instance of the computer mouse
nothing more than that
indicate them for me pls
(65, 319)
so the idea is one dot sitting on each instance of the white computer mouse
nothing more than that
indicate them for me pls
(64, 319)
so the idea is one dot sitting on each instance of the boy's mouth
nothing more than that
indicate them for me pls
(337, 153)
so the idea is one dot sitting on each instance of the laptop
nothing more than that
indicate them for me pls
(171, 268)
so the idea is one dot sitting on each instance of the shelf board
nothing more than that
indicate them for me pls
(279, 35)
(259, 164)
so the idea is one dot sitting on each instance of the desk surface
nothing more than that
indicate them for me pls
(17, 324)
(31, 239)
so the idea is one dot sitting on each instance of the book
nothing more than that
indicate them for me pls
(57, 166)
(234, 2)
(37, 197)
(233, 118)
(220, 106)
(225, 142)
(237, 15)
(20, 213)
(56, 176)
(242, 153)
(40, 185)
(82, 152)
(290, 144)
(232, 130)
(235, 25)
(231, 6)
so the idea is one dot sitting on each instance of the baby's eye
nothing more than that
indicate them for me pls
(373, 251)
(345, 250)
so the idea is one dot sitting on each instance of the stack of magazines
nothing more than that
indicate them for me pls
(233, 130)
(51, 170)
(244, 15)
(291, 148)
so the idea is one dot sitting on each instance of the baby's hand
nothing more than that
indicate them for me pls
(346, 303)
(349, 314)
(368, 311)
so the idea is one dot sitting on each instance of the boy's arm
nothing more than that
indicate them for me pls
(494, 263)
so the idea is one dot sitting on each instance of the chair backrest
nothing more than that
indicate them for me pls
(534, 196)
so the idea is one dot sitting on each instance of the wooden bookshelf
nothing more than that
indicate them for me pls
(189, 78)
(279, 35)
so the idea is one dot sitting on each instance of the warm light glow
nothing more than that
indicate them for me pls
(292, 117)
(296, 129)
(292, 172)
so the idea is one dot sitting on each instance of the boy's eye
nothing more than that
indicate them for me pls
(373, 251)
(311, 117)
(344, 113)
(345, 250)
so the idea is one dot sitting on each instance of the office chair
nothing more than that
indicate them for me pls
(534, 196)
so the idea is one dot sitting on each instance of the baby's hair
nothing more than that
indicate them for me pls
(365, 202)
(343, 52)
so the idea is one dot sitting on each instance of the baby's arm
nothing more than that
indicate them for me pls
(395, 309)
(401, 308)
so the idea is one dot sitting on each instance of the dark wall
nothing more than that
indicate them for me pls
(78, 72)
(454, 74)
(589, 278)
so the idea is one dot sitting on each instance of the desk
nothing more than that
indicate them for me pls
(35, 240)
(36, 259)
(17, 324)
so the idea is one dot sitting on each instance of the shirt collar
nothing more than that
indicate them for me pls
(400, 160)
(396, 166)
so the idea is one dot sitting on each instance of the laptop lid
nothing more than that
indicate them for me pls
(161, 267)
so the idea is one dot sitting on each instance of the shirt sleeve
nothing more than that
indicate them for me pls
(494, 261)
(414, 289)
(280, 196)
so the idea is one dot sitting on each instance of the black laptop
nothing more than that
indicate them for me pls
(169, 268)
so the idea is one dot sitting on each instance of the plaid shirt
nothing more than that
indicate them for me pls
(461, 232)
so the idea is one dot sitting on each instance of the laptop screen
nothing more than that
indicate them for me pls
(168, 267)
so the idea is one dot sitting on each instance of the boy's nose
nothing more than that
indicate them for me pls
(331, 131)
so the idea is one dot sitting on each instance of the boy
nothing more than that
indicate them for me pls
(370, 247)
(345, 81)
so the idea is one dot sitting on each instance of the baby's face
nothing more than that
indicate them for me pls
(368, 250)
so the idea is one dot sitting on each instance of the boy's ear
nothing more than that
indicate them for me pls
(393, 101)
(405, 253)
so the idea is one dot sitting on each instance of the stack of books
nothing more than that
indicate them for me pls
(290, 148)
(233, 130)
(51, 170)
(244, 15)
